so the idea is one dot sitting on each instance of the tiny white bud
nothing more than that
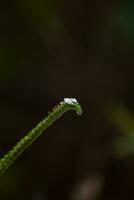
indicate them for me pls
(70, 100)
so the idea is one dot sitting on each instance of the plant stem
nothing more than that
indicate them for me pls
(11, 155)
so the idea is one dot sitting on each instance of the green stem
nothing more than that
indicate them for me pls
(10, 156)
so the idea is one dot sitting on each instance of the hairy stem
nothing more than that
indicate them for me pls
(10, 156)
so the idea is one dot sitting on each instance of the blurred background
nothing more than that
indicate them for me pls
(55, 49)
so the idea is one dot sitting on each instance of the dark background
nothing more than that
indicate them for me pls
(55, 49)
